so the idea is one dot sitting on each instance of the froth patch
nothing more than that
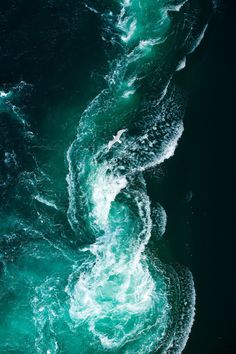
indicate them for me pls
(104, 189)
(159, 220)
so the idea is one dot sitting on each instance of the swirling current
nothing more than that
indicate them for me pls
(77, 273)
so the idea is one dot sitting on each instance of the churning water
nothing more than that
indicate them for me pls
(77, 273)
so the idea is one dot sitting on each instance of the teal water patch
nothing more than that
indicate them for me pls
(77, 273)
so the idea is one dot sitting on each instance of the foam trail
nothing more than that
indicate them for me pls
(124, 300)
(88, 273)
(199, 39)
(91, 8)
(43, 200)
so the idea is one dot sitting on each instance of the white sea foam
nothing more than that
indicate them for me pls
(71, 188)
(186, 313)
(45, 201)
(118, 287)
(181, 64)
(176, 7)
(16, 110)
(198, 40)
(130, 31)
(91, 8)
(105, 188)
(131, 81)
(168, 150)
(128, 93)
(143, 44)
(4, 94)
(121, 296)
(159, 221)
(126, 23)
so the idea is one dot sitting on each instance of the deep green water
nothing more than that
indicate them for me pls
(84, 264)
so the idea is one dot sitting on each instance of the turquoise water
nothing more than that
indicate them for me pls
(77, 272)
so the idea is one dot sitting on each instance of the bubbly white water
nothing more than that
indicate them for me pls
(121, 296)
(97, 283)
(45, 201)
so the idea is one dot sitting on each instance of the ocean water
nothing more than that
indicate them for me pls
(91, 112)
